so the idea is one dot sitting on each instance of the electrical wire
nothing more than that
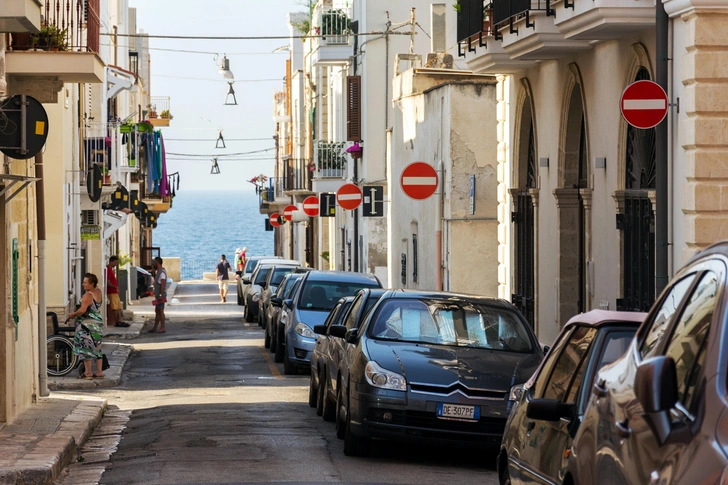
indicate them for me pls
(219, 80)
(215, 155)
(203, 52)
(214, 140)
(265, 37)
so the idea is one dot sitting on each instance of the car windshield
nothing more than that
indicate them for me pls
(280, 273)
(261, 275)
(292, 288)
(250, 265)
(460, 324)
(285, 288)
(323, 295)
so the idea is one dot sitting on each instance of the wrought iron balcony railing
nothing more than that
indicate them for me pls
(330, 160)
(474, 23)
(333, 24)
(67, 25)
(298, 175)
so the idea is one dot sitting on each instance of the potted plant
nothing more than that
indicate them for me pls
(152, 112)
(165, 115)
(50, 38)
(107, 175)
(334, 22)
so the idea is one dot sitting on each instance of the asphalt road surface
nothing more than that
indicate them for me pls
(207, 405)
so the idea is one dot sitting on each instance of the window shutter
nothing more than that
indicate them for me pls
(353, 113)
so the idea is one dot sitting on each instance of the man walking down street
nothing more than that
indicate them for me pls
(160, 295)
(113, 309)
(221, 273)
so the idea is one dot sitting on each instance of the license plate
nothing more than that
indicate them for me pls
(458, 411)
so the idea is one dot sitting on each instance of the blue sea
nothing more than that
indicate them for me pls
(202, 225)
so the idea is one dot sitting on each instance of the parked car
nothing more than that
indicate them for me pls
(250, 264)
(549, 409)
(277, 329)
(659, 414)
(316, 296)
(329, 371)
(274, 277)
(433, 367)
(320, 356)
(251, 294)
(268, 309)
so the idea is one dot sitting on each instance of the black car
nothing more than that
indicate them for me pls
(273, 278)
(274, 308)
(433, 367)
(659, 414)
(335, 368)
(321, 357)
(549, 409)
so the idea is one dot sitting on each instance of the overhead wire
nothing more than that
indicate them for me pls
(264, 37)
(187, 51)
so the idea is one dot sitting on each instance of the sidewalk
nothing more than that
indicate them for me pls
(44, 439)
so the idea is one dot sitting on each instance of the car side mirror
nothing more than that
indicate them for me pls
(656, 389)
(338, 331)
(276, 302)
(550, 410)
(319, 329)
(288, 303)
(246, 281)
(352, 336)
(546, 349)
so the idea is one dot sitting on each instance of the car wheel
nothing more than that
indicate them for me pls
(266, 341)
(340, 414)
(354, 445)
(288, 368)
(313, 393)
(240, 300)
(280, 349)
(320, 393)
(328, 409)
(264, 321)
(505, 477)
(273, 340)
(246, 314)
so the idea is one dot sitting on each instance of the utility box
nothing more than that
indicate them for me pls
(123, 276)
(133, 275)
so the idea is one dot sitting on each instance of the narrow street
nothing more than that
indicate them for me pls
(208, 405)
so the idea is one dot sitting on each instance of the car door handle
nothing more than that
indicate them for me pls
(600, 388)
(623, 429)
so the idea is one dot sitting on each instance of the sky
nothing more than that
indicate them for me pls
(198, 105)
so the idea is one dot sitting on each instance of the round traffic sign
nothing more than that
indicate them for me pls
(644, 104)
(274, 219)
(288, 212)
(349, 196)
(419, 180)
(311, 206)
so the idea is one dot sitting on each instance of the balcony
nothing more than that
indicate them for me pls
(106, 145)
(603, 19)
(66, 47)
(334, 45)
(20, 15)
(329, 166)
(528, 31)
(270, 198)
(297, 176)
(159, 113)
(477, 43)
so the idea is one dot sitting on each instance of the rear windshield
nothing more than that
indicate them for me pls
(291, 288)
(250, 265)
(262, 273)
(279, 274)
(323, 295)
(459, 324)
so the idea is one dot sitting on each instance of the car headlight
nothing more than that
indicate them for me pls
(383, 378)
(304, 330)
(256, 297)
(516, 393)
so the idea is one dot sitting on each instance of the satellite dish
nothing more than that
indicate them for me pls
(120, 199)
(94, 181)
(35, 128)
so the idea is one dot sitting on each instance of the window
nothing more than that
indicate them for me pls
(323, 295)
(279, 274)
(567, 372)
(548, 364)
(663, 318)
(250, 265)
(351, 318)
(261, 275)
(686, 345)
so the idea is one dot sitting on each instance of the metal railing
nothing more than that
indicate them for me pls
(330, 160)
(470, 19)
(333, 24)
(193, 269)
(115, 153)
(511, 10)
(266, 194)
(67, 25)
(159, 107)
(298, 175)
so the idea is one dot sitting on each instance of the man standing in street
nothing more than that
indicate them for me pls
(113, 309)
(160, 295)
(221, 273)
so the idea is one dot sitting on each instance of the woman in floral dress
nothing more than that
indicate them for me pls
(89, 328)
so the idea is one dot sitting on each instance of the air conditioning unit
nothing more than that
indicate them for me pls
(90, 218)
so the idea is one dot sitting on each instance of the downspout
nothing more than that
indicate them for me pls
(42, 323)
(662, 23)
(438, 229)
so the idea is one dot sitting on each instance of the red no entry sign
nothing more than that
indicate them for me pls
(274, 219)
(644, 104)
(311, 206)
(419, 180)
(349, 196)
(288, 212)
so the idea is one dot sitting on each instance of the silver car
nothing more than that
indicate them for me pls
(251, 292)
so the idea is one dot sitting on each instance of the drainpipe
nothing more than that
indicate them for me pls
(662, 22)
(438, 230)
(42, 324)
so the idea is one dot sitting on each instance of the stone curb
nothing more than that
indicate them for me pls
(39, 460)
(117, 354)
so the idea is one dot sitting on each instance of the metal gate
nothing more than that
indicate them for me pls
(638, 224)
(522, 219)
